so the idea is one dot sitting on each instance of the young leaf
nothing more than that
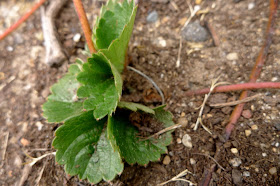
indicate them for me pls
(114, 42)
(132, 148)
(63, 103)
(102, 85)
(117, 50)
(85, 150)
(135, 106)
(114, 17)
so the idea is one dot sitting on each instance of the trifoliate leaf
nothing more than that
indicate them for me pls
(135, 106)
(63, 103)
(102, 85)
(132, 148)
(85, 150)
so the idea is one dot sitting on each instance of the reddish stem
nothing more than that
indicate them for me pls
(257, 68)
(236, 87)
(85, 25)
(21, 20)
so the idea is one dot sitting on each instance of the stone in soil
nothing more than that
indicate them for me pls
(152, 17)
(248, 132)
(273, 170)
(234, 150)
(235, 162)
(254, 127)
(232, 56)
(246, 173)
(166, 160)
(247, 114)
(236, 177)
(187, 141)
(277, 125)
(194, 32)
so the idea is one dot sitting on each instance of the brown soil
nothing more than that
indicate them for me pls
(25, 81)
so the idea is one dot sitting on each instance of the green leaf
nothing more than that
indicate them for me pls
(117, 50)
(63, 103)
(102, 85)
(85, 150)
(113, 41)
(135, 106)
(132, 148)
(114, 17)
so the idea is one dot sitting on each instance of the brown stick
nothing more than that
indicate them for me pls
(236, 87)
(85, 25)
(54, 52)
(21, 20)
(232, 103)
(257, 68)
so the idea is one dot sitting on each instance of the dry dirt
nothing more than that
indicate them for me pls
(25, 81)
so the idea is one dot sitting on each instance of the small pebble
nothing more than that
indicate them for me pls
(232, 56)
(77, 37)
(248, 132)
(39, 125)
(183, 121)
(192, 161)
(277, 125)
(179, 140)
(194, 32)
(236, 177)
(277, 144)
(160, 42)
(274, 79)
(152, 17)
(166, 160)
(246, 173)
(264, 154)
(247, 114)
(273, 170)
(10, 48)
(257, 169)
(24, 142)
(251, 6)
(198, 2)
(187, 141)
(235, 162)
(234, 150)
(254, 127)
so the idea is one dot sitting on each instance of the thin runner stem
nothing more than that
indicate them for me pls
(21, 20)
(85, 25)
(236, 87)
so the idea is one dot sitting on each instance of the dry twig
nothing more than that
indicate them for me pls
(179, 178)
(199, 118)
(54, 52)
(232, 103)
(4, 147)
(211, 159)
(164, 130)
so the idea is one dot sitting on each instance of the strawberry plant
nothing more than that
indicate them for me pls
(97, 134)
